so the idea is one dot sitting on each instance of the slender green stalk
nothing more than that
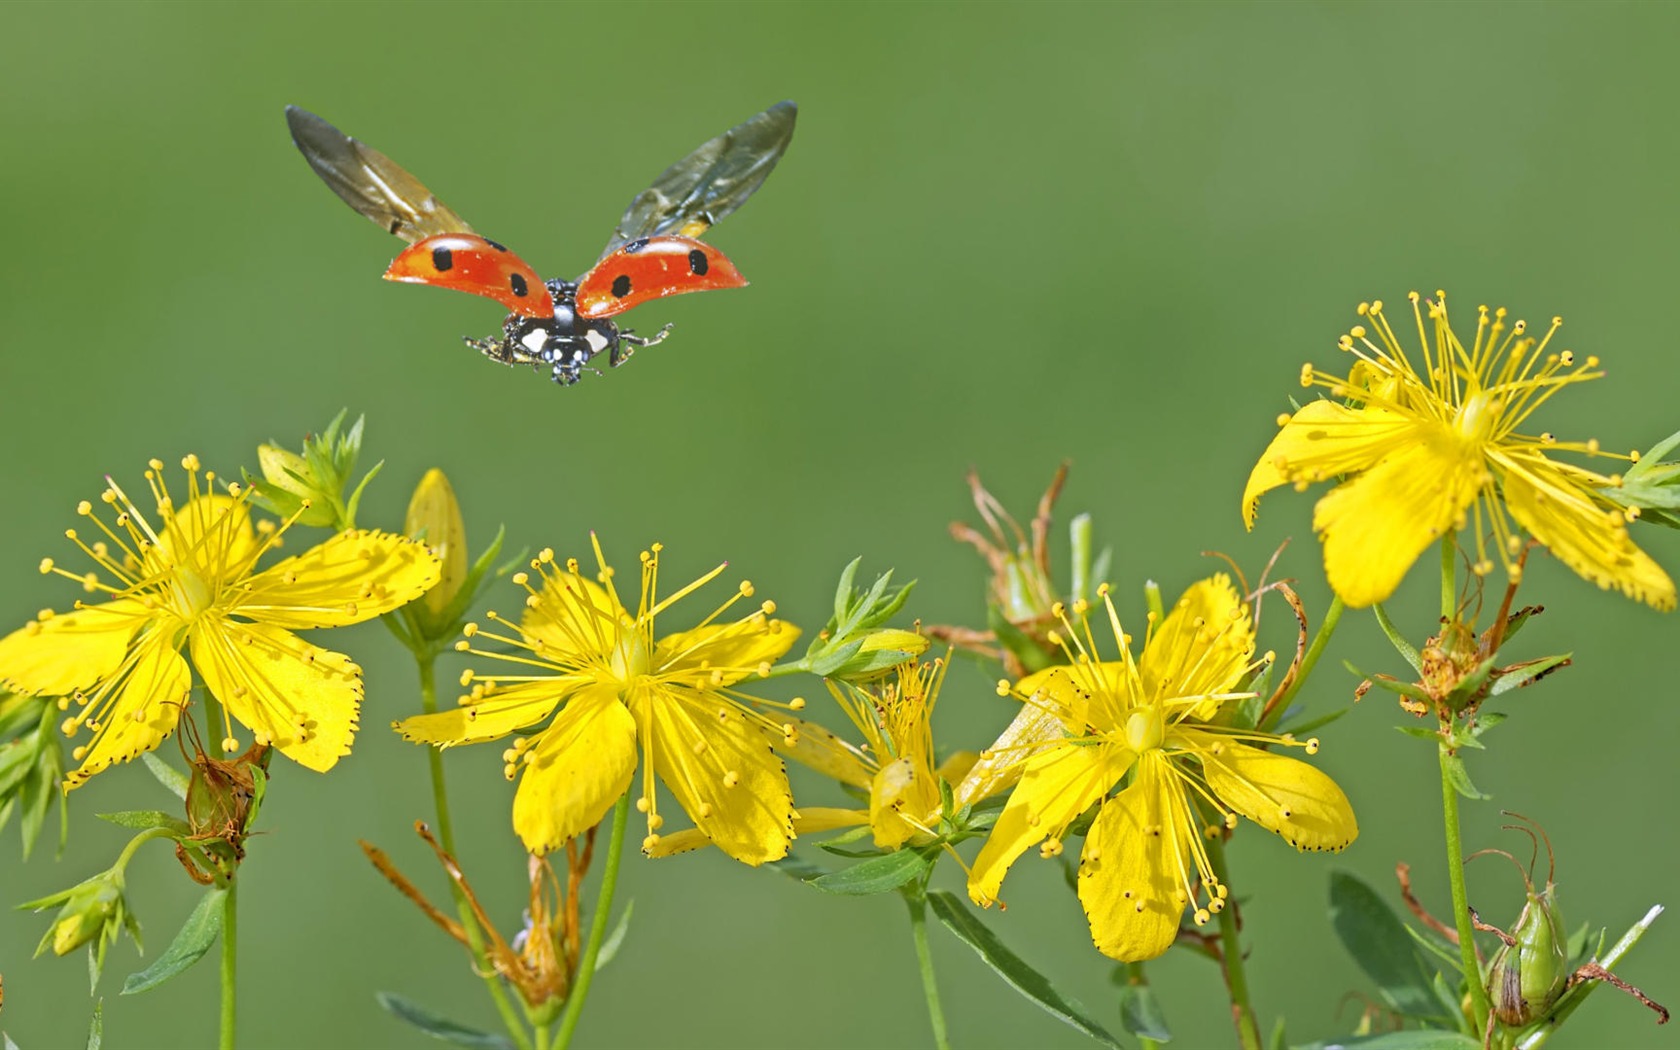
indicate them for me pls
(1449, 589)
(1136, 978)
(446, 835)
(1230, 951)
(230, 967)
(1326, 628)
(1461, 907)
(597, 926)
(924, 959)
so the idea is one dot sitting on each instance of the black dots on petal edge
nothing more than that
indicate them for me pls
(517, 282)
(621, 286)
(443, 260)
(697, 262)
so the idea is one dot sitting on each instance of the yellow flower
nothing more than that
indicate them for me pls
(191, 583)
(1144, 858)
(621, 689)
(1434, 447)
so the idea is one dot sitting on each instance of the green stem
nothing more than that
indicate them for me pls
(1461, 907)
(1230, 951)
(924, 959)
(597, 926)
(1326, 628)
(230, 968)
(446, 835)
(1136, 978)
(1449, 589)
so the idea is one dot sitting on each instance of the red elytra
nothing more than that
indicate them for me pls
(470, 263)
(652, 268)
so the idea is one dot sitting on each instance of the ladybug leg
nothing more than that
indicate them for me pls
(629, 342)
(494, 349)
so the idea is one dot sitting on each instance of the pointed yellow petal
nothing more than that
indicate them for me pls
(818, 748)
(352, 577)
(722, 770)
(1322, 440)
(1589, 538)
(578, 768)
(300, 698)
(999, 767)
(154, 690)
(59, 655)
(1375, 526)
(1057, 786)
(735, 648)
(1202, 647)
(505, 711)
(1130, 871)
(809, 821)
(1297, 800)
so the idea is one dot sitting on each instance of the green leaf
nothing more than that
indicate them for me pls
(1023, 978)
(1280, 1038)
(1529, 672)
(1140, 1013)
(196, 936)
(1460, 778)
(1422, 733)
(615, 939)
(876, 875)
(96, 1026)
(1030, 653)
(145, 819)
(404, 1009)
(7, 1044)
(797, 868)
(171, 778)
(1421, 1039)
(1379, 942)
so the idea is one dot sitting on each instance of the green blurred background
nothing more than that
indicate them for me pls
(1005, 234)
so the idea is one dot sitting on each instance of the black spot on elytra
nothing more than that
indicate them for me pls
(621, 286)
(442, 259)
(518, 284)
(494, 245)
(635, 246)
(697, 263)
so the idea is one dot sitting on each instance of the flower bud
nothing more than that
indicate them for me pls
(434, 518)
(91, 911)
(1531, 970)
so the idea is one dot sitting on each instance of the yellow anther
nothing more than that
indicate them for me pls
(796, 704)
(731, 778)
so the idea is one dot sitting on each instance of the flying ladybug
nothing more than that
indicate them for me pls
(654, 252)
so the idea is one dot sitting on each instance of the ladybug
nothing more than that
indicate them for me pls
(654, 252)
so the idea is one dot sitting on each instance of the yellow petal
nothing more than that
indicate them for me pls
(822, 750)
(575, 619)
(721, 768)
(808, 821)
(154, 689)
(578, 768)
(901, 800)
(295, 696)
(64, 653)
(1322, 440)
(212, 533)
(1297, 800)
(999, 767)
(735, 649)
(1374, 527)
(1202, 646)
(1057, 786)
(505, 711)
(352, 577)
(1589, 538)
(1130, 871)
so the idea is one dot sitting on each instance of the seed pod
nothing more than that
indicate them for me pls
(1531, 969)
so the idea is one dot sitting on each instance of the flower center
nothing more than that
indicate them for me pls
(1144, 730)
(631, 657)
(1478, 418)
(193, 595)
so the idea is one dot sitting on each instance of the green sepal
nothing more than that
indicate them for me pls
(1529, 672)
(615, 939)
(1141, 1015)
(96, 1027)
(411, 1012)
(1410, 690)
(1379, 942)
(173, 780)
(1019, 644)
(875, 875)
(1414, 1039)
(1006, 964)
(1279, 1039)
(1460, 778)
(1395, 638)
(194, 938)
(143, 819)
